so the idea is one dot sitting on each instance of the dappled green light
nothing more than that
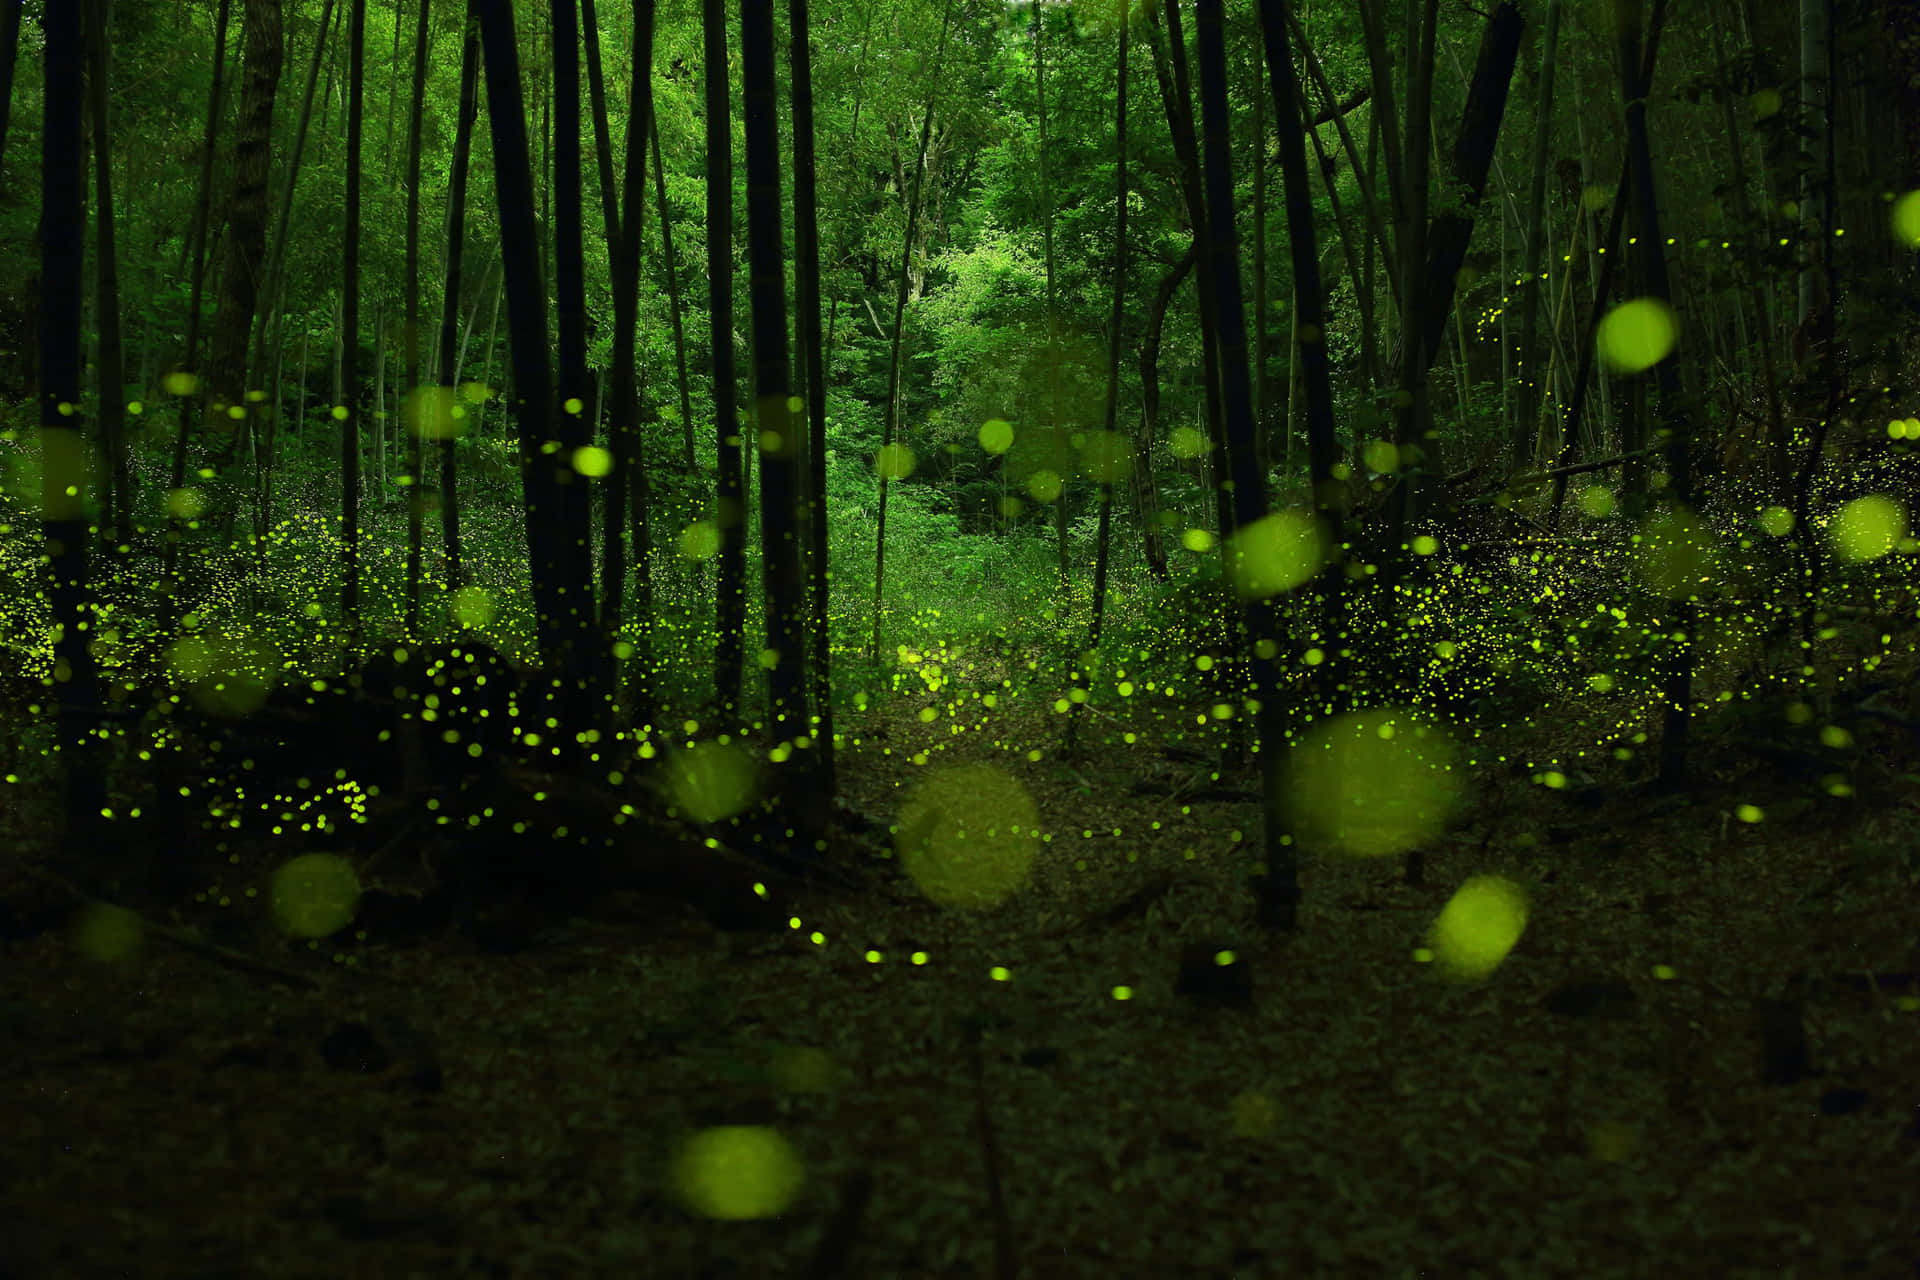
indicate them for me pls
(711, 781)
(1275, 553)
(737, 1173)
(894, 462)
(1479, 926)
(105, 933)
(699, 541)
(1106, 457)
(1637, 335)
(1906, 219)
(314, 895)
(996, 435)
(1677, 553)
(1372, 783)
(1867, 528)
(592, 461)
(1045, 486)
(1382, 456)
(968, 836)
(1197, 539)
(180, 383)
(473, 607)
(1186, 442)
(1776, 521)
(1764, 103)
(1597, 502)
(434, 413)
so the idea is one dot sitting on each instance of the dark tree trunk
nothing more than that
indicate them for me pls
(116, 514)
(450, 301)
(671, 265)
(729, 516)
(1152, 530)
(526, 296)
(9, 55)
(416, 410)
(629, 458)
(806, 240)
(62, 442)
(246, 242)
(184, 384)
(348, 410)
(1176, 99)
(776, 425)
(573, 428)
(1111, 456)
(1280, 893)
(891, 428)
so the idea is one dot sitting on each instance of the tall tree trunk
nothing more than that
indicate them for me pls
(1176, 98)
(416, 409)
(892, 426)
(227, 392)
(1533, 279)
(1052, 425)
(450, 300)
(558, 593)
(729, 516)
(1651, 260)
(1412, 425)
(573, 428)
(623, 431)
(117, 508)
(1279, 892)
(10, 11)
(777, 430)
(806, 275)
(347, 409)
(1111, 457)
(184, 381)
(1310, 306)
(63, 447)
(671, 265)
(1154, 544)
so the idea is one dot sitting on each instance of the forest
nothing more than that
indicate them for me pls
(960, 638)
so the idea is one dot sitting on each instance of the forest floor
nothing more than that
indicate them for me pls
(996, 1109)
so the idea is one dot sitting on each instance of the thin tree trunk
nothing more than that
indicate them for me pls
(62, 441)
(1109, 458)
(573, 428)
(184, 382)
(347, 408)
(117, 508)
(10, 11)
(824, 784)
(415, 409)
(1053, 426)
(450, 359)
(1532, 384)
(672, 268)
(729, 511)
(629, 460)
(891, 428)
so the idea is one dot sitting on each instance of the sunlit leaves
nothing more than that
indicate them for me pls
(1637, 335)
